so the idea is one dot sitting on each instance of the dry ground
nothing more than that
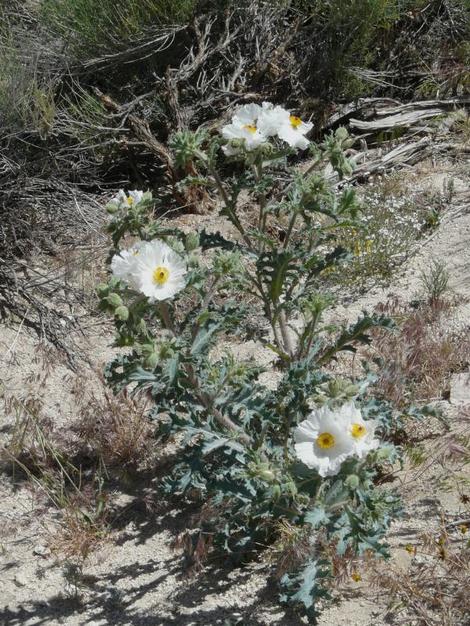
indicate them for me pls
(135, 577)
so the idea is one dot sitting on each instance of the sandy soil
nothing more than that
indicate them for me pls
(137, 578)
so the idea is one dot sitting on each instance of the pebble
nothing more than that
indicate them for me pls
(21, 580)
(40, 550)
(460, 389)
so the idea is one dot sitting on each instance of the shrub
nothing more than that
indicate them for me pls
(252, 456)
(94, 27)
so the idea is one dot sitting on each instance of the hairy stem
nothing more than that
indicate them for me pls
(204, 398)
(288, 346)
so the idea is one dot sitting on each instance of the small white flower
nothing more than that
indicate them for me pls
(293, 132)
(276, 121)
(134, 197)
(131, 199)
(123, 265)
(244, 126)
(159, 272)
(323, 441)
(361, 431)
(120, 197)
(253, 138)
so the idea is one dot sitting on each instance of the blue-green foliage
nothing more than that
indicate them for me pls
(236, 454)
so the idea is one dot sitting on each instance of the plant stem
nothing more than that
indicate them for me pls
(293, 217)
(167, 321)
(207, 402)
(227, 202)
(258, 171)
(204, 398)
(289, 348)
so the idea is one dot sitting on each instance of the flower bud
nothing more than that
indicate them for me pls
(122, 313)
(341, 134)
(276, 490)
(352, 481)
(152, 360)
(192, 241)
(102, 290)
(114, 300)
(112, 208)
(383, 453)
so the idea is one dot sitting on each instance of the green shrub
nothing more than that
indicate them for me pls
(26, 99)
(177, 297)
(93, 27)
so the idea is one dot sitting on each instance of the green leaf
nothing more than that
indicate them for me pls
(205, 336)
(316, 517)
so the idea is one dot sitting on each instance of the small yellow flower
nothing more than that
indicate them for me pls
(410, 548)
(356, 577)
(463, 529)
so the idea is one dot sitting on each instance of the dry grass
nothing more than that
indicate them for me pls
(415, 363)
(434, 590)
(113, 429)
(70, 475)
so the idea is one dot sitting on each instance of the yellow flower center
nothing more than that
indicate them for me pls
(160, 275)
(358, 431)
(325, 441)
(130, 201)
(250, 128)
(356, 577)
(295, 121)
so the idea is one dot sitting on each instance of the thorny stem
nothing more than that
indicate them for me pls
(258, 171)
(228, 204)
(293, 217)
(267, 304)
(204, 398)
(285, 333)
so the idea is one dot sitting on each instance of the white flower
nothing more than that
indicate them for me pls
(271, 119)
(131, 199)
(159, 272)
(361, 431)
(134, 197)
(276, 121)
(244, 126)
(123, 265)
(247, 114)
(323, 441)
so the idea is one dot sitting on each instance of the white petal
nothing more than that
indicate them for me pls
(248, 114)
(305, 431)
(293, 137)
(272, 119)
(136, 196)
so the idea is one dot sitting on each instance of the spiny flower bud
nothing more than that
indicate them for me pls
(352, 481)
(122, 313)
(191, 241)
(114, 300)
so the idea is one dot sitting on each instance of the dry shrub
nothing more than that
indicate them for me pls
(113, 428)
(85, 521)
(42, 457)
(434, 590)
(416, 361)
